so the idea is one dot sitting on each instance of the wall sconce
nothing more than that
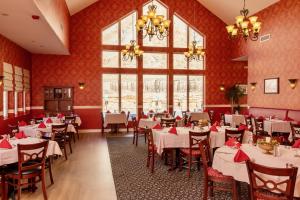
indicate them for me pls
(253, 86)
(81, 86)
(1, 80)
(293, 83)
(222, 88)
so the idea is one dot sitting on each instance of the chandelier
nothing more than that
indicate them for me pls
(152, 24)
(131, 50)
(195, 52)
(247, 27)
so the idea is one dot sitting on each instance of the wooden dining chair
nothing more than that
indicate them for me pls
(281, 137)
(164, 122)
(237, 134)
(38, 120)
(211, 176)
(211, 114)
(137, 131)
(72, 120)
(13, 129)
(295, 131)
(193, 151)
(249, 123)
(259, 127)
(59, 134)
(127, 126)
(152, 150)
(222, 117)
(31, 165)
(266, 189)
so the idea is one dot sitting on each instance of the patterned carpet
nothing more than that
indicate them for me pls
(134, 181)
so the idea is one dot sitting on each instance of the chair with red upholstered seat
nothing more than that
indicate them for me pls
(152, 150)
(212, 176)
(193, 150)
(237, 134)
(262, 187)
(137, 131)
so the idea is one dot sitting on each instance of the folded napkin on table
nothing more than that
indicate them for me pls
(20, 135)
(22, 123)
(5, 144)
(296, 144)
(241, 156)
(213, 128)
(243, 127)
(173, 130)
(157, 126)
(42, 125)
(231, 142)
(178, 117)
(188, 124)
(60, 115)
(49, 121)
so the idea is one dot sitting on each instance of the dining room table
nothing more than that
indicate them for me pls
(223, 161)
(58, 120)
(196, 116)
(277, 125)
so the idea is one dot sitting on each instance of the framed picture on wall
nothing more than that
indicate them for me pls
(271, 86)
(243, 87)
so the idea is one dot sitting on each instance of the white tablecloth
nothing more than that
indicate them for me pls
(277, 126)
(57, 120)
(143, 123)
(196, 116)
(32, 130)
(9, 156)
(224, 163)
(235, 120)
(163, 139)
(115, 118)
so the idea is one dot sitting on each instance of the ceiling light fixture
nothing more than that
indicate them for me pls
(247, 27)
(152, 24)
(195, 52)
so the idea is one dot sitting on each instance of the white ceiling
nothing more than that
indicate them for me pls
(226, 10)
(34, 35)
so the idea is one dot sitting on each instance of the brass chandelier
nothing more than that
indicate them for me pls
(247, 27)
(195, 52)
(153, 25)
(131, 50)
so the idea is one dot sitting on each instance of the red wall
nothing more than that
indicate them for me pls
(278, 57)
(84, 63)
(15, 55)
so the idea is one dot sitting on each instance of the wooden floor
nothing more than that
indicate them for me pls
(86, 175)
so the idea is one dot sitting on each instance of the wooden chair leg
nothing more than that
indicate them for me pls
(77, 133)
(70, 145)
(205, 192)
(19, 190)
(234, 191)
(211, 191)
(73, 136)
(3, 187)
(50, 170)
(148, 159)
(152, 162)
(189, 165)
(180, 162)
(44, 185)
(145, 138)
(136, 138)
(65, 152)
(133, 139)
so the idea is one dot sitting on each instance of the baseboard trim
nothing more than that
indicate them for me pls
(99, 130)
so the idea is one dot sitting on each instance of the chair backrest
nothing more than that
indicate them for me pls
(161, 115)
(164, 122)
(295, 131)
(58, 130)
(31, 156)
(238, 134)
(70, 119)
(135, 123)
(150, 140)
(13, 129)
(249, 122)
(259, 185)
(196, 137)
(38, 120)
(128, 115)
(259, 124)
(102, 118)
(204, 148)
(211, 114)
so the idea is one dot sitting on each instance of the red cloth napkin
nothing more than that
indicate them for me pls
(157, 126)
(173, 130)
(49, 121)
(5, 144)
(178, 117)
(241, 156)
(213, 128)
(296, 144)
(231, 142)
(22, 123)
(288, 119)
(42, 125)
(188, 124)
(216, 123)
(243, 127)
(60, 115)
(20, 135)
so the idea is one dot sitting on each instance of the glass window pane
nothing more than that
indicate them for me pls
(110, 59)
(129, 63)
(155, 93)
(129, 93)
(180, 93)
(128, 31)
(110, 85)
(179, 61)
(155, 60)
(196, 64)
(180, 33)
(195, 93)
(194, 35)
(161, 10)
(110, 35)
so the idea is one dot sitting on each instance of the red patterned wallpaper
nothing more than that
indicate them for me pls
(83, 65)
(278, 57)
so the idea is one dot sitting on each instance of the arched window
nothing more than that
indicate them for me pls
(144, 83)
